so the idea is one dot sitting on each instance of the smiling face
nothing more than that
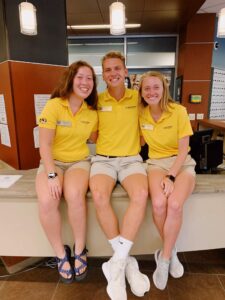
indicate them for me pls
(83, 82)
(152, 90)
(114, 72)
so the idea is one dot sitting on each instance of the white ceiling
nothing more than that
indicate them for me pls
(212, 6)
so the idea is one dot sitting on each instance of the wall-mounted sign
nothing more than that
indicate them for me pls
(195, 98)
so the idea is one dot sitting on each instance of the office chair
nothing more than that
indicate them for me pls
(207, 153)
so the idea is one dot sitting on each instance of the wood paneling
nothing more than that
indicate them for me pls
(19, 82)
(29, 79)
(195, 60)
(8, 154)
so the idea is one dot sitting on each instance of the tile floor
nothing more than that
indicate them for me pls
(204, 279)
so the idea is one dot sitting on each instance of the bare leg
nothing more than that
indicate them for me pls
(101, 188)
(50, 216)
(159, 201)
(137, 189)
(184, 186)
(49, 213)
(75, 189)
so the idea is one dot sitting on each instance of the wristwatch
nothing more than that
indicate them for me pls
(171, 177)
(52, 175)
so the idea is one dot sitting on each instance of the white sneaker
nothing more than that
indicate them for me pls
(160, 275)
(176, 268)
(139, 282)
(114, 272)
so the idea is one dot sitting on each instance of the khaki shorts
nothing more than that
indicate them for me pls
(80, 164)
(167, 162)
(117, 167)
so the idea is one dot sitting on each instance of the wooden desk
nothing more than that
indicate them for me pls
(217, 125)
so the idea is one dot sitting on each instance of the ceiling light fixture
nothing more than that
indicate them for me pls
(221, 24)
(28, 20)
(100, 26)
(117, 18)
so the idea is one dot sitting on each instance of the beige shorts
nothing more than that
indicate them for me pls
(167, 162)
(80, 164)
(117, 167)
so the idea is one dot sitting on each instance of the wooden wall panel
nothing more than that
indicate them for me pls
(29, 79)
(8, 154)
(198, 61)
(195, 61)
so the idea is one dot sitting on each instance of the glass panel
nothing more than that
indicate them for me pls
(152, 52)
(92, 50)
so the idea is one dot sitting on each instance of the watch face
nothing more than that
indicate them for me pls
(52, 175)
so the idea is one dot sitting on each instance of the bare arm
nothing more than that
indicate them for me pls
(93, 137)
(46, 137)
(167, 184)
(183, 145)
(142, 141)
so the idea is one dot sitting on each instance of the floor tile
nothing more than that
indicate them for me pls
(93, 287)
(196, 287)
(211, 261)
(37, 284)
(222, 281)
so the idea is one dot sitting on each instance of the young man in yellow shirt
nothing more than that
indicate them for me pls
(118, 158)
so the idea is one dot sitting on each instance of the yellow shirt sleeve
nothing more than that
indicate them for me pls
(48, 117)
(184, 124)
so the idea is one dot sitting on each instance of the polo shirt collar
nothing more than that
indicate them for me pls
(65, 102)
(164, 115)
(127, 95)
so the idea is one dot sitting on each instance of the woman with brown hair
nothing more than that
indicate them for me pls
(67, 121)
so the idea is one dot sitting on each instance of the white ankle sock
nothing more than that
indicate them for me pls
(123, 249)
(114, 242)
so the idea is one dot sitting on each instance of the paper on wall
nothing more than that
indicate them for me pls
(39, 103)
(36, 137)
(5, 138)
(3, 117)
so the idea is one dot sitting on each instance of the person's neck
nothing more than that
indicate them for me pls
(156, 112)
(75, 103)
(117, 92)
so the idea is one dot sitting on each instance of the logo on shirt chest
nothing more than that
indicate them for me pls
(168, 127)
(85, 122)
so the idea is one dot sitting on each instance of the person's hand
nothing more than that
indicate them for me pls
(167, 186)
(55, 188)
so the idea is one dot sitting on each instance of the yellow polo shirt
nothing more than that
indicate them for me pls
(163, 136)
(118, 131)
(71, 131)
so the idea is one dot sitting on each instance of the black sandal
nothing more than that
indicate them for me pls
(60, 262)
(78, 275)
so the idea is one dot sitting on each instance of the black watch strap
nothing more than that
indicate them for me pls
(52, 175)
(171, 177)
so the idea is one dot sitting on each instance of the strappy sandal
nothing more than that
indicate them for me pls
(61, 262)
(78, 275)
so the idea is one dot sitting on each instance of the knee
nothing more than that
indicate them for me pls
(140, 198)
(100, 198)
(75, 198)
(47, 205)
(174, 207)
(159, 205)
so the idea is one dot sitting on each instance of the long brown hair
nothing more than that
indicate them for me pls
(166, 97)
(65, 86)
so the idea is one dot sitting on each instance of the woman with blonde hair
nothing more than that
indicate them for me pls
(166, 129)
